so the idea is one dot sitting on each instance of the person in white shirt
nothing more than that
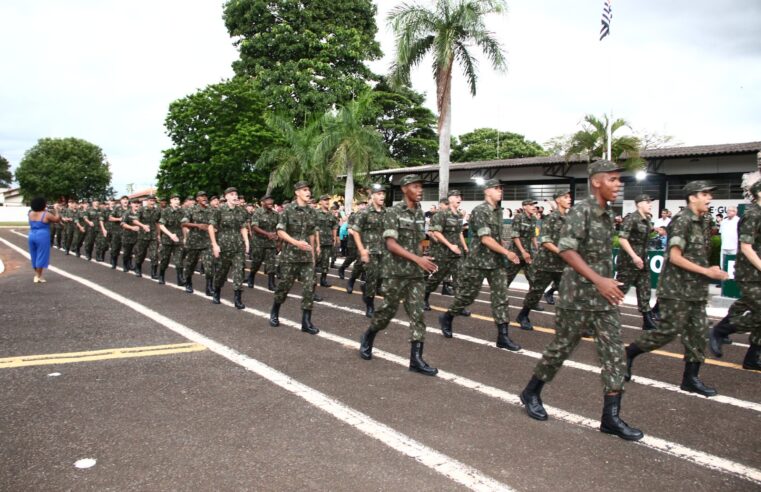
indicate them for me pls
(728, 232)
(664, 220)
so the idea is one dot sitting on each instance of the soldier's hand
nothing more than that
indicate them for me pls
(105, 234)
(175, 238)
(717, 273)
(512, 257)
(215, 251)
(527, 258)
(427, 265)
(365, 257)
(303, 246)
(455, 250)
(146, 228)
(639, 263)
(608, 288)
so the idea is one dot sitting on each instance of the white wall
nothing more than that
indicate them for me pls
(717, 206)
(13, 214)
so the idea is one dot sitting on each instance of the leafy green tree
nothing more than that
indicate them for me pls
(63, 168)
(6, 176)
(484, 144)
(218, 134)
(350, 146)
(304, 55)
(448, 31)
(407, 126)
(592, 141)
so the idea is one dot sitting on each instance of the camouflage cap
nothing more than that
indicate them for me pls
(444, 201)
(492, 183)
(231, 189)
(603, 166)
(642, 198)
(135, 200)
(190, 198)
(151, 197)
(409, 179)
(454, 193)
(300, 184)
(200, 193)
(697, 186)
(377, 188)
(175, 195)
(324, 197)
(529, 201)
(213, 197)
(267, 197)
(558, 194)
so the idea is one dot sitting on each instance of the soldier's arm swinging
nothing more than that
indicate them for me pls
(363, 253)
(213, 237)
(463, 243)
(493, 245)
(524, 253)
(302, 245)
(169, 233)
(395, 248)
(677, 259)
(440, 238)
(626, 246)
(750, 254)
(244, 233)
(607, 287)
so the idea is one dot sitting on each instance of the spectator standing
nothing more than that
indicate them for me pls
(728, 232)
(39, 236)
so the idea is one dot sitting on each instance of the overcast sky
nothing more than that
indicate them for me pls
(106, 71)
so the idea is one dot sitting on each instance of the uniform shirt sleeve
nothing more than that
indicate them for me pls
(164, 215)
(574, 230)
(678, 232)
(748, 225)
(390, 225)
(479, 223)
(282, 222)
(214, 219)
(360, 222)
(437, 223)
(549, 227)
(255, 218)
(519, 227)
(626, 227)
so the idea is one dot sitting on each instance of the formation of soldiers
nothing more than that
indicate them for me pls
(571, 254)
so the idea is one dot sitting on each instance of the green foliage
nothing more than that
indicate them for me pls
(484, 144)
(218, 133)
(304, 55)
(714, 258)
(63, 168)
(592, 140)
(407, 126)
(6, 176)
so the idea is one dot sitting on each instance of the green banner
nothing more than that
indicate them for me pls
(729, 286)
(654, 264)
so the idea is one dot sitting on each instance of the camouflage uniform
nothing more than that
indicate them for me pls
(745, 313)
(524, 228)
(264, 249)
(403, 281)
(146, 241)
(78, 237)
(102, 242)
(636, 229)
(548, 266)
(68, 232)
(370, 225)
(449, 223)
(326, 224)
(116, 232)
(683, 295)
(93, 215)
(228, 222)
(198, 244)
(299, 222)
(588, 230)
(129, 238)
(56, 232)
(171, 218)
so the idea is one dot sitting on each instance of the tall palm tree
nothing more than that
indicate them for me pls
(447, 30)
(350, 146)
(592, 140)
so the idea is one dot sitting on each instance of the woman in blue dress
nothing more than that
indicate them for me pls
(39, 236)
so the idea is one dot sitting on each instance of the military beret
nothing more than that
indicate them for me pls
(324, 197)
(642, 198)
(377, 188)
(529, 201)
(558, 194)
(410, 178)
(492, 183)
(697, 186)
(300, 184)
(454, 193)
(231, 189)
(200, 193)
(603, 166)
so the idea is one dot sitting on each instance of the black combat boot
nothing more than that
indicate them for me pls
(88, 256)
(139, 270)
(426, 304)
(316, 297)
(306, 322)
(114, 261)
(162, 279)
(180, 280)
(692, 383)
(532, 399)
(189, 285)
(503, 340)
(718, 333)
(366, 344)
(350, 285)
(202, 269)
(465, 313)
(271, 282)
(79, 255)
(126, 265)
(648, 321)
(215, 297)
(324, 280)
(66, 252)
(341, 272)
(154, 271)
(238, 303)
(417, 364)
(446, 289)
(549, 297)
(611, 422)
(445, 323)
(369, 306)
(752, 361)
(275, 315)
(209, 287)
(657, 311)
(250, 279)
(632, 351)
(524, 320)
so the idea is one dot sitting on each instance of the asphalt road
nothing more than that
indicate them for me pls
(167, 391)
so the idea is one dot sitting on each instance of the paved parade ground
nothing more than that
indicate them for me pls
(166, 391)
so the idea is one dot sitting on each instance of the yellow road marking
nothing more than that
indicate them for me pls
(117, 353)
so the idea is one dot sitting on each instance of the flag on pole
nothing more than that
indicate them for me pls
(607, 17)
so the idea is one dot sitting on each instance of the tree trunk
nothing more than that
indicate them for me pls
(270, 183)
(349, 190)
(444, 100)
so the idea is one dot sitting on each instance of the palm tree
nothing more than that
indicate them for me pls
(592, 140)
(447, 30)
(350, 146)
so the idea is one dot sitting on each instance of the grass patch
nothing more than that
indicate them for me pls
(14, 224)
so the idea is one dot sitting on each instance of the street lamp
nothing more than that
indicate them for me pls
(641, 175)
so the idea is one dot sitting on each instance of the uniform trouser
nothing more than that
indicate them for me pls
(542, 279)
(263, 256)
(90, 240)
(513, 269)
(745, 313)
(470, 282)
(116, 243)
(128, 248)
(323, 261)
(77, 239)
(358, 270)
(289, 273)
(569, 327)
(352, 255)
(101, 243)
(67, 236)
(372, 271)
(640, 280)
(447, 265)
(191, 260)
(678, 317)
(170, 251)
(57, 235)
(410, 291)
(146, 247)
(231, 259)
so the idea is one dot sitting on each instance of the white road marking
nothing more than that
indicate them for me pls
(85, 463)
(2, 266)
(441, 463)
(694, 456)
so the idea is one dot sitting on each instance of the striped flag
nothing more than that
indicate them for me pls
(607, 17)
